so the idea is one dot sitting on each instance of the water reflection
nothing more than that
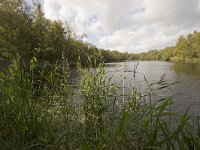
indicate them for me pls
(188, 69)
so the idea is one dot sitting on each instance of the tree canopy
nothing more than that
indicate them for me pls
(24, 28)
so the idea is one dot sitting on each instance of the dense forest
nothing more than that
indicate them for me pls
(25, 30)
(186, 49)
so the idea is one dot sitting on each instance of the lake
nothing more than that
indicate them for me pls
(185, 92)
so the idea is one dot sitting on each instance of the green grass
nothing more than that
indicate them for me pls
(39, 109)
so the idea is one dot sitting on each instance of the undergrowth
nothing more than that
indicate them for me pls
(40, 109)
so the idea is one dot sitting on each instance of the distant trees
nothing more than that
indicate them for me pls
(186, 49)
(150, 55)
(166, 54)
(23, 29)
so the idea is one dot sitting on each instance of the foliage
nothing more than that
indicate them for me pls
(24, 28)
(89, 116)
(41, 109)
(187, 49)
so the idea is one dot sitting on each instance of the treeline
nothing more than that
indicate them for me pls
(186, 49)
(24, 30)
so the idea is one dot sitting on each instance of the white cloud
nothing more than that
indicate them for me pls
(128, 25)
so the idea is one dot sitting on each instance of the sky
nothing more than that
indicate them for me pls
(128, 25)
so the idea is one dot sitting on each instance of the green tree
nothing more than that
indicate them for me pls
(15, 28)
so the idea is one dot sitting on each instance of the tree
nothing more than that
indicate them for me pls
(181, 49)
(15, 25)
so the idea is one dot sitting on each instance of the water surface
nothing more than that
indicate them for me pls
(185, 92)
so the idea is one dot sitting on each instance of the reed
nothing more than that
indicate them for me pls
(40, 109)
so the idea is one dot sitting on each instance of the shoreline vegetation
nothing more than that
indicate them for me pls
(41, 109)
(24, 28)
(186, 49)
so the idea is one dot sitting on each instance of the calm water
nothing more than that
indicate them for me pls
(186, 92)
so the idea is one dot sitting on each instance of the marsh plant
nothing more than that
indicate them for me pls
(40, 109)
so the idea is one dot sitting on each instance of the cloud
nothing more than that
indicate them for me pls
(128, 25)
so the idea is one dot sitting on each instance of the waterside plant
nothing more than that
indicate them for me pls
(41, 109)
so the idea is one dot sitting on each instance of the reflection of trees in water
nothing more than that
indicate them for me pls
(189, 69)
